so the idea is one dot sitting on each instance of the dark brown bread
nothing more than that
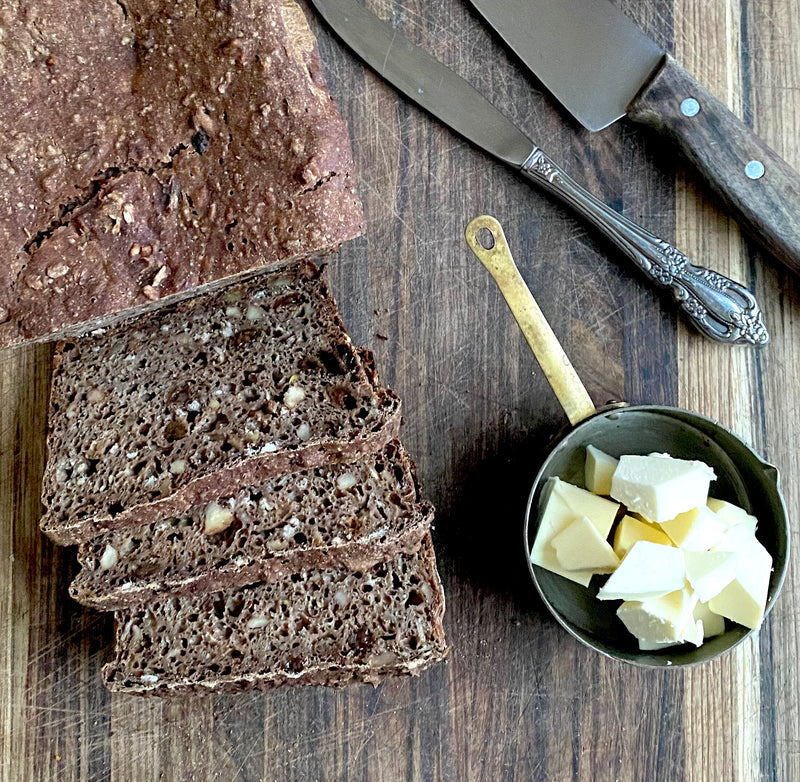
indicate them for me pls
(155, 148)
(348, 516)
(155, 416)
(319, 627)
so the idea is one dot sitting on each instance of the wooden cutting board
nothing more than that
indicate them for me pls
(518, 699)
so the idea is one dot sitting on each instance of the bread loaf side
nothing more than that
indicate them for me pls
(157, 149)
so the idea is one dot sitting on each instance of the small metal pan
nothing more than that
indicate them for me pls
(742, 476)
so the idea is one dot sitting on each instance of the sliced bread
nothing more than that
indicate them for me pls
(350, 516)
(151, 417)
(328, 626)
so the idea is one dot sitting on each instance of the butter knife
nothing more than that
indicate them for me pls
(718, 307)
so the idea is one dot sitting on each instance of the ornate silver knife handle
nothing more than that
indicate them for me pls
(720, 308)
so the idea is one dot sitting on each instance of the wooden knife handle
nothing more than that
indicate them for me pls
(762, 187)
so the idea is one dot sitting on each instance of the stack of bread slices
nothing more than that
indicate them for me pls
(230, 470)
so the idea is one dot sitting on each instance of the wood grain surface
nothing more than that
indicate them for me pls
(518, 698)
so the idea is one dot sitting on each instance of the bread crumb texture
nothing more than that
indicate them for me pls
(322, 626)
(352, 512)
(156, 148)
(172, 406)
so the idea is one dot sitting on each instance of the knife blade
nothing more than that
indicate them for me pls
(718, 307)
(601, 67)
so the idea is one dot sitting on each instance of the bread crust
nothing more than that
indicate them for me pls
(127, 183)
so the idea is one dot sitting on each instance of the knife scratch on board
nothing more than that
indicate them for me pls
(388, 52)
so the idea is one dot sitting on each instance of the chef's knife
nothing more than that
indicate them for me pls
(601, 66)
(719, 307)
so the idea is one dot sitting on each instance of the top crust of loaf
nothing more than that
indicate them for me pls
(156, 149)
(171, 410)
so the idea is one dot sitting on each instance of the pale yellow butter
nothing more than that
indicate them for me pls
(649, 570)
(693, 632)
(697, 529)
(735, 538)
(732, 515)
(651, 646)
(662, 619)
(660, 487)
(709, 572)
(564, 504)
(713, 624)
(579, 547)
(745, 598)
(600, 511)
(630, 530)
(599, 470)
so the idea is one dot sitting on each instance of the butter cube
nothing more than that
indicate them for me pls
(564, 504)
(555, 518)
(709, 572)
(662, 619)
(649, 570)
(630, 530)
(600, 511)
(695, 530)
(652, 646)
(599, 470)
(732, 515)
(660, 487)
(579, 547)
(693, 632)
(713, 624)
(745, 598)
(736, 538)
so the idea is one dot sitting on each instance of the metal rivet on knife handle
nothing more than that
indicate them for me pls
(690, 107)
(720, 145)
(719, 307)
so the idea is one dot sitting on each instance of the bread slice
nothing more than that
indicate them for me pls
(327, 626)
(158, 148)
(152, 417)
(348, 516)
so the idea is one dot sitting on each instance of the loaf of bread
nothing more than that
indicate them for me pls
(345, 516)
(328, 626)
(152, 148)
(184, 404)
